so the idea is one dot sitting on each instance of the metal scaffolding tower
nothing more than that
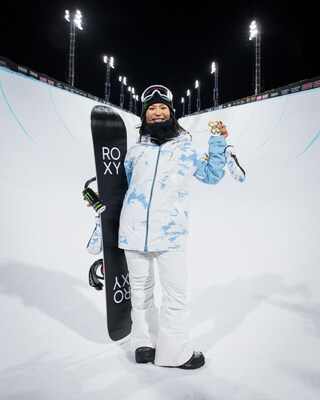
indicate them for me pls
(255, 33)
(75, 19)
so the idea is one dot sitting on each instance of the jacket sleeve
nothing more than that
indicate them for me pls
(210, 166)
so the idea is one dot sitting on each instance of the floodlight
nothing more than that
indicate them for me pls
(109, 60)
(78, 19)
(253, 30)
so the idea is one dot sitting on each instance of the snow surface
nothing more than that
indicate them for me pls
(254, 299)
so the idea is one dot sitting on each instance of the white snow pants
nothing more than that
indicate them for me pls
(165, 330)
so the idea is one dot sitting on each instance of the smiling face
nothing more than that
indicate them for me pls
(157, 112)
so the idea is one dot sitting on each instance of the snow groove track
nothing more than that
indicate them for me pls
(253, 259)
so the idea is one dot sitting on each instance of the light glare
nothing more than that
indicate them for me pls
(111, 62)
(254, 30)
(77, 18)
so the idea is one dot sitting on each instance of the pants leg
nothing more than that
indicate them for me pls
(172, 348)
(144, 314)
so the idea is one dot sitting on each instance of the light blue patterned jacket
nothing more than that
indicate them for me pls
(154, 215)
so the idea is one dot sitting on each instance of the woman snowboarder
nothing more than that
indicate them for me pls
(154, 226)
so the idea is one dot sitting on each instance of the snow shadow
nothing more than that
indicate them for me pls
(57, 295)
(102, 376)
(226, 307)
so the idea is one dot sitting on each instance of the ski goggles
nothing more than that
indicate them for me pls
(162, 91)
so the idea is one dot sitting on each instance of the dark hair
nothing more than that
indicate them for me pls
(177, 128)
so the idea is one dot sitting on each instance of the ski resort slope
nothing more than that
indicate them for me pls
(253, 257)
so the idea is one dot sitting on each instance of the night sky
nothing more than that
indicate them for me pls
(166, 42)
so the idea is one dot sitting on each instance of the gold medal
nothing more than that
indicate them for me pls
(215, 128)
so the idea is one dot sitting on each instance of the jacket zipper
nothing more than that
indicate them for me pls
(151, 193)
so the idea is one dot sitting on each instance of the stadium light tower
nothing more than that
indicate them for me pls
(123, 81)
(215, 71)
(197, 86)
(109, 61)
(255, 33)
(182, 102)
(131, 90)
(189, 102)
(135, 100)
(75, 19)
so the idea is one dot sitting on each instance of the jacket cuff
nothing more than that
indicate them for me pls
(218, 139)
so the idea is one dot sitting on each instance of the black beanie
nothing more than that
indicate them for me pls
(156, 98)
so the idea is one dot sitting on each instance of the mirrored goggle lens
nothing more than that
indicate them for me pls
(161, 90)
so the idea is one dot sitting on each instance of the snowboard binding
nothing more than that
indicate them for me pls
(94, 245)
(94, 278)
(92, 198)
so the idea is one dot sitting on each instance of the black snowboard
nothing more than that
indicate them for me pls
(109, 137)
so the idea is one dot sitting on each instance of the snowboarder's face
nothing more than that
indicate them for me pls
(157, 112)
